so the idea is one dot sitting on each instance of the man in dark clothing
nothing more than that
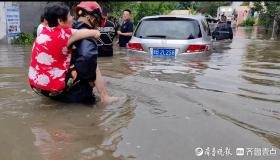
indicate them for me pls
(84, 59)
(108, 33)
(126, 29)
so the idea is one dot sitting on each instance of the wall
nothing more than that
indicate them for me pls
(241, 13)
(3, 38)
(30, 13)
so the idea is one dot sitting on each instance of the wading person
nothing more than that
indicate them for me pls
(126, 29)
(89, 16)
(108, 32)
(50, 73)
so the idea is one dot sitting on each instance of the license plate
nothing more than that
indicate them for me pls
(163, 52)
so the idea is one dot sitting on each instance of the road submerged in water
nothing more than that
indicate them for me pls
(174, 108)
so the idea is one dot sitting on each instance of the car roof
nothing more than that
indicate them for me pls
(196, 17)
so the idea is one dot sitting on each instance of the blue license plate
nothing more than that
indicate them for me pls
(163, 52)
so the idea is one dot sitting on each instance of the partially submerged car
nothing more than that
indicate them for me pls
(171, 36)
(223, 31)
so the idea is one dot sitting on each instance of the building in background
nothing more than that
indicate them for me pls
(29, 17)
(243, 13)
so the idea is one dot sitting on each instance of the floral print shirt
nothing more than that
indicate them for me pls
(50, 59)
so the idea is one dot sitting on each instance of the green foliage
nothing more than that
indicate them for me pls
(268, 11)
(258, 7)
(157, 8)
(185, 5)
(265, 20)
(273, 8)
(154, 8)
(141, 9)
(116, 8)
(250, 21)
(245, 4)
(24, 39)
(210, 8)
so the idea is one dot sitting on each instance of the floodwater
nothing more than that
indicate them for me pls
(223, 101)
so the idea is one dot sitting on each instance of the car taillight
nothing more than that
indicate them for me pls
(135, 46)
(196, 48)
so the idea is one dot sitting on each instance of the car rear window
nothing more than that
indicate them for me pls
(169, 28)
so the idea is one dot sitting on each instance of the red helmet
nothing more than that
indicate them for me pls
(90, 8)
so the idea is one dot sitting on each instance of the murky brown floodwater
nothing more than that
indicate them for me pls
(228, 99)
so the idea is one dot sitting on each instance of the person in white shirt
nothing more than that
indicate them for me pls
(43, 23)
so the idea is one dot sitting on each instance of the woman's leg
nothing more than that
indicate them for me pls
(99, 84)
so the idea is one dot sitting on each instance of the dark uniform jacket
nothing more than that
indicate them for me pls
(84, 57)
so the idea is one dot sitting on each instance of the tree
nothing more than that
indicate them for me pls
(210, 8)
(142, 9)
(154, 8)
(270, 11)
(116, 8)
(184, 5)
(245, 4)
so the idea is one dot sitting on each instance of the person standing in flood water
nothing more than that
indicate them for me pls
(126, 29)
(108, 32)
(89, 16)
(50, 72)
